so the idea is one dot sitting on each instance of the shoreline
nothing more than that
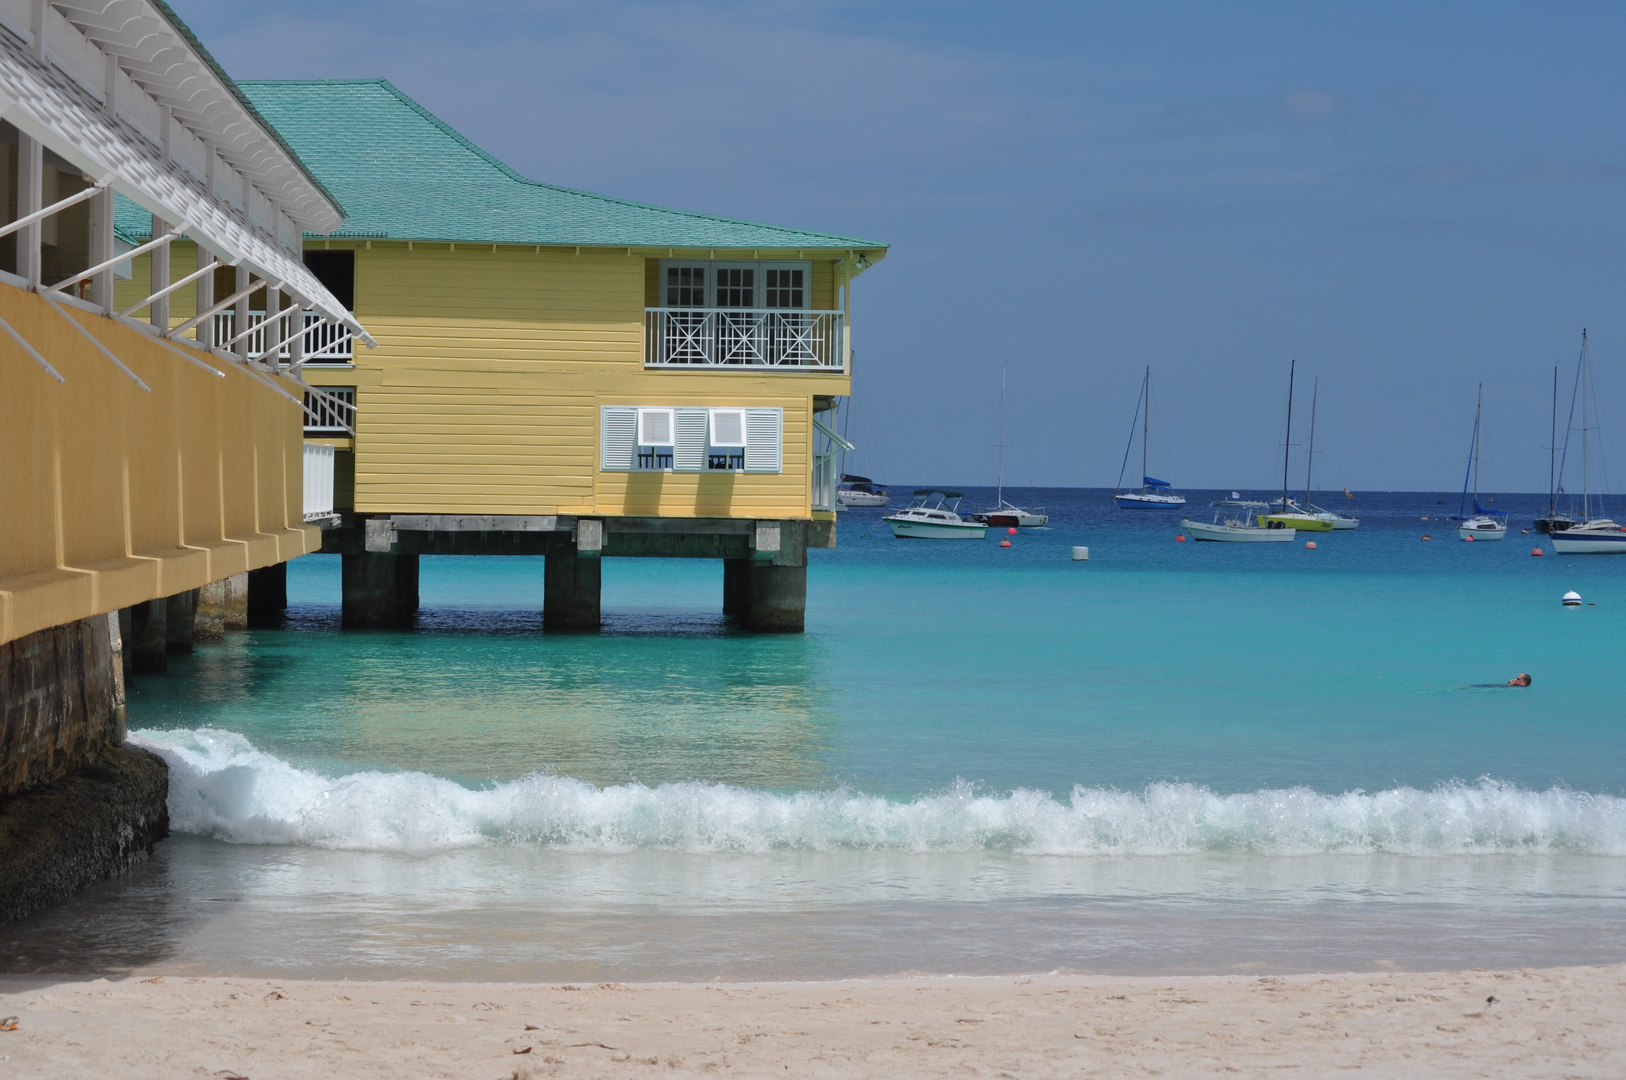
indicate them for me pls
(1534, 1022)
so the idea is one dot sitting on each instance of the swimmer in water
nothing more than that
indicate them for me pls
(1521, 679)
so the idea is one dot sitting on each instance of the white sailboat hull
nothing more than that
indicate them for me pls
(1482, 529)
(1237, 534)
(1592, 538)
(845, 499)
(1137, 500)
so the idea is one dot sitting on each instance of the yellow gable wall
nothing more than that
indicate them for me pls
(483, 395)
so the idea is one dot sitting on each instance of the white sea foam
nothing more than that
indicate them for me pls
(221, 786)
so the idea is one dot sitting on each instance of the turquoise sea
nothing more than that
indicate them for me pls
(1171, 757)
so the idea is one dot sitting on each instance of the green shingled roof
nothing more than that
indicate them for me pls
(403, 174)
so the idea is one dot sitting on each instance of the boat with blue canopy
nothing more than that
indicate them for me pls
(1154, 494)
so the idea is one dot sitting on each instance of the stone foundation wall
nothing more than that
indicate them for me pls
(61, 700)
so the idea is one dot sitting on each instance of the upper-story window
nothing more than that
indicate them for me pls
(752, 285)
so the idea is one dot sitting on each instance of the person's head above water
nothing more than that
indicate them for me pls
(1521, 679)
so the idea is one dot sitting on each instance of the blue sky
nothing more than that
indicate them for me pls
(1407, 198)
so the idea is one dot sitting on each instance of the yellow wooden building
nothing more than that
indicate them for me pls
(563, 372)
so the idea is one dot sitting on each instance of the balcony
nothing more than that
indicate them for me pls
(329, 345)
(755, 339)
(333, 414)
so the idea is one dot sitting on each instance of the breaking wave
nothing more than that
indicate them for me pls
(221, 786)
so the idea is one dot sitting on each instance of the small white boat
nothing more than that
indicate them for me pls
(1485, 524)
(1600, 536)
(1238, 521)
(1154, 494)
(934, 515)
(860, 491)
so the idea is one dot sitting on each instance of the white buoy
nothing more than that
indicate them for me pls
(1081, 554)
(1572, 599)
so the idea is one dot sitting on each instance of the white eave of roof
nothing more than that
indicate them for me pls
(155, 57)
(41, 102)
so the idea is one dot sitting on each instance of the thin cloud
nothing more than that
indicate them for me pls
(1310, 106)
(1405, 99)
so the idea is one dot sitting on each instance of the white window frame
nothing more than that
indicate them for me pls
(715, 441)
(759, 287)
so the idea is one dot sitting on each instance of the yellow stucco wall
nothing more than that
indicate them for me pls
(483, 395)
(109, 495)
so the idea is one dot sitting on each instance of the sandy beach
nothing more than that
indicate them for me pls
(1558, 1022)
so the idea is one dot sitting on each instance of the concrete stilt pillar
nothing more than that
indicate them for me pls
(209, 624)
(406, 587)
(236, 616)
(778, 599)
(379, 590)
(570, 590)
(180, 612)
(267, 594)
(736, 586)
(148, 644)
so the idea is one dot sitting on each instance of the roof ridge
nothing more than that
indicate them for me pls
(517, 177)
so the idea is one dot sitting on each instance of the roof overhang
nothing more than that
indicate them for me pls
(45, 104)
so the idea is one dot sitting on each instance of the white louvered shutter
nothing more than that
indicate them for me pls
(764, 440)
(618, 437)
(655, 427)
(689, 455)
(728, 427)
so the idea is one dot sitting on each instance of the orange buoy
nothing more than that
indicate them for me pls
(1309, 545)
(1425, 517)
(1004, 543)
(1180, 537)
(1469, 539)
(1535, 552)
(1011, 531)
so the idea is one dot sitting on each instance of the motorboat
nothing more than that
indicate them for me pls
(933, 514)
(1239, 521)
(860, 491)
(1154, 494)
(1591, 535)
(1484, 524)
(1003, 513)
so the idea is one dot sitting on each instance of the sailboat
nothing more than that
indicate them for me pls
(1291, 515)
(1485, 524)
(1310, 512)
(1154, 494)
(1592, 536)
(1554, 521)
(1002, 512)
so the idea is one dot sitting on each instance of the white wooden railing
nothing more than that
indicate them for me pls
(332, 341)
(318, 481)
(826, 479)
(334, 414)
(744, 338)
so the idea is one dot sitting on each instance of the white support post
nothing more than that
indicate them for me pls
(110, 85)
(36, 29)
(30, 183)
(101, 248)
(272, 338)
(206, 296)
(158, 277)
(296, 336)
(240, 316)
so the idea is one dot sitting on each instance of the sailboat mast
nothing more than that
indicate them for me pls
(1479, 411)
(1552, 455)
(1309, 463)
(999, 498)
(1586, 490)
(1145, 426)
(1287, 447)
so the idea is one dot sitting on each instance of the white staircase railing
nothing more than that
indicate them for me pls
(331, 340)
(744, 338)
(334, 414)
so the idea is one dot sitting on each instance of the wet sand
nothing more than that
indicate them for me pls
(1557, 1022)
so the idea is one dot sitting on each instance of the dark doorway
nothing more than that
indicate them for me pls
(336, 270)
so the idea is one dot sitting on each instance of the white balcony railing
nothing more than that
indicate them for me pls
(332, 341)
(334, 414)
(744, 338)
(826, 480)
(318, 481)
